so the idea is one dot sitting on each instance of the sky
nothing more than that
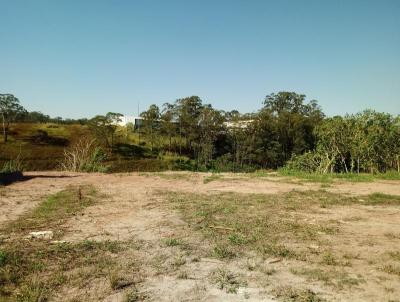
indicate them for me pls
(75, 58)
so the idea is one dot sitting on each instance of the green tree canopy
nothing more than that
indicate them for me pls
(10, 109)
(104, 128)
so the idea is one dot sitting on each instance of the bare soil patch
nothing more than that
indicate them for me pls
(168, 257)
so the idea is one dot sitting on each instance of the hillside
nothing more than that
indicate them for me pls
(41, 147)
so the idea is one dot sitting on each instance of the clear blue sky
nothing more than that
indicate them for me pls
(76, 58)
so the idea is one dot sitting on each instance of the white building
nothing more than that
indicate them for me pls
(238, 124)
(126, 119)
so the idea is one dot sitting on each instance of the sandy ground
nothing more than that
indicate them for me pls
(134, 209)
(22, 196)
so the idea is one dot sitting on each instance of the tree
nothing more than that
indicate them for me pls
(264, 146)
(104, 128)
(232, 115)
(168, 125)
(188, 111)
(210, 124)
(395, 142)
(10, 109)
(129, 128)
(378, 132)
(151, 119)
(367, 142)
(36, 117)
(294, 122)
(334, 140)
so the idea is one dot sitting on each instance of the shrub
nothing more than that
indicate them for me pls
(307, 162)
(84, 156)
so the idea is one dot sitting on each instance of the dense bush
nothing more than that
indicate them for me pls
(308, 162)
(367, 142)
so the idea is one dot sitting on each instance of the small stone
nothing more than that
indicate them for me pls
(41, 235)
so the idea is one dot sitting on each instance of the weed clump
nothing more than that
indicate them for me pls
(291, 294)
(227, 281)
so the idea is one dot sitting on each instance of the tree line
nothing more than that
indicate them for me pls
(233, 141)
(288, 130)
(364, 142)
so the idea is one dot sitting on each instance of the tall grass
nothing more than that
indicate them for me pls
(12, 166)
(330, 177)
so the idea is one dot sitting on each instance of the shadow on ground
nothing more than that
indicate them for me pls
(9, 178)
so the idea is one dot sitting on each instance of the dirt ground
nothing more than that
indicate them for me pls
(136, 209)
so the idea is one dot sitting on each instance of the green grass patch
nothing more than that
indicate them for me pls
(172, 242)
(382, 199)
(25, 262)
(331, 177)
(338, 278)
(55, 209)
(211, 178)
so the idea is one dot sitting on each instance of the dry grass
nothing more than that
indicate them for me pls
(81, 156)
(336, 277)
(272, 225)
(40, 155)
(279, 227)
(290, 294)
(34, 270)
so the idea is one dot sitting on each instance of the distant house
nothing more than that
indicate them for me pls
(238, 124)
(135, 120)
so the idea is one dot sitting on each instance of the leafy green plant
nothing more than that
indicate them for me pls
(172, 242)
(13, 165)
(3, 258)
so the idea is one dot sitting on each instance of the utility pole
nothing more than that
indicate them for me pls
(138, 125)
